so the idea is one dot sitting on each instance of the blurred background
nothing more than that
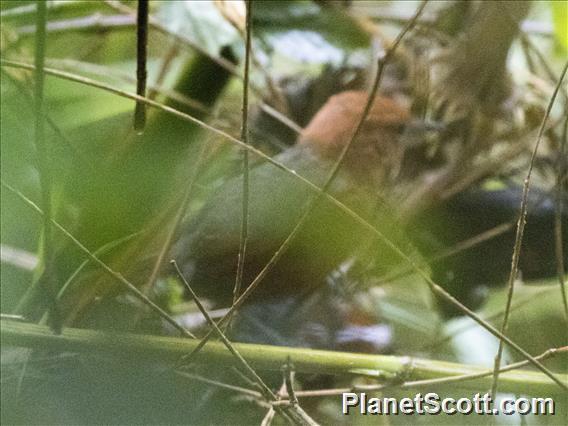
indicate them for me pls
(477, 79)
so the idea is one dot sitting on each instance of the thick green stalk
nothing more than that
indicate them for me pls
(169, 350)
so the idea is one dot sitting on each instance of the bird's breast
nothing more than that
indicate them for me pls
(277, 202)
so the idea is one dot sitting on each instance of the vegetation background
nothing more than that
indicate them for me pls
(119, 191)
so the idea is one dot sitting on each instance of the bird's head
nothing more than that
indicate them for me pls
(376, 152)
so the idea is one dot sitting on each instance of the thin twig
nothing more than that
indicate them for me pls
(166, 62)
(266, 391)
(141, 59)
(244, 137)
(223, 63)
(559, 250)
(519, 234)
(155, 24)
(100, 251)
(239, 389)
(127, 284)
(429, 382)
(281, 117)
(288, 373)
(543, 62)
(269, 416)
(104, 72)
(445, 380)
(491, 317)
(458, 248)
(435, 288)
(21, 86)
(172, 231)
(242, 377)
(314, 200)
(267, 419)
(186, 117)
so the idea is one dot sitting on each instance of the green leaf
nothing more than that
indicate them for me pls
(560, 19)
(306, 32)
(200, 22)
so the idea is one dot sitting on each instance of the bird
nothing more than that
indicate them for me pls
(208, 246)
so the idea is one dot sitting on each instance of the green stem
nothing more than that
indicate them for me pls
(170, 349)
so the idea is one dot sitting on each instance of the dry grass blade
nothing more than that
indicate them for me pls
(228, 66)
(436, 289)
(186, 117)
(99, 252)
(519, 234)
(244, 137)
(560, 185)
(429, 382)
(239, 389)
(294, 413)
(313, 202)
(492, 317)
(178, 218)
(127, 284)
(265, 389)
(21, 86)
